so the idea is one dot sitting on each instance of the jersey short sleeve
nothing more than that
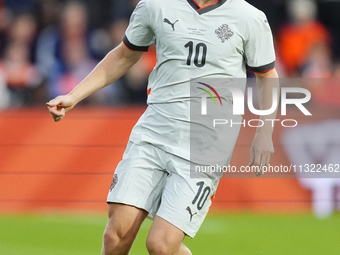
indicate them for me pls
(259, 45)
(139, 34)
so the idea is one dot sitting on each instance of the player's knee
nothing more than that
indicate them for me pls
(111, 240)
(156, 246)
(115, 244)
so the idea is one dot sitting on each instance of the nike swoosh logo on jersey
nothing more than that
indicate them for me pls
(171, 24)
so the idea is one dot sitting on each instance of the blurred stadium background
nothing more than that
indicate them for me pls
(54, 178)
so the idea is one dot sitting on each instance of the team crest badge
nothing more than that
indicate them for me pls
(224, 32)
(114, 181)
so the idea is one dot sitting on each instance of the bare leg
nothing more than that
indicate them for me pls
(165, 239)
(122, 228)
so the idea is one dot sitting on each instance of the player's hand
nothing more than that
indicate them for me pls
(59, 106)
(261, 151)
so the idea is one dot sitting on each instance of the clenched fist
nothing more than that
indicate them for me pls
(59, 106)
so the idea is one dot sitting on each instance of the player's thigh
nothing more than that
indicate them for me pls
(163, 236)
(123, 223)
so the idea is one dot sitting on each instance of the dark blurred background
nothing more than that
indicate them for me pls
(48, 46)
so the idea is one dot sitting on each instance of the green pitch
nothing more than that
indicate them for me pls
(220, 234)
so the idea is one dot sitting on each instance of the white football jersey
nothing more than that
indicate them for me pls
(221, 40)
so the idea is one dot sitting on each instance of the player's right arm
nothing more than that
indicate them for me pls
(116, 63)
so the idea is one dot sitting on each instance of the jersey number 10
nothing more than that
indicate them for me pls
(202, 197)
(197, 62)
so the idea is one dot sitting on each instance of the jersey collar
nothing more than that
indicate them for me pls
(205, 9)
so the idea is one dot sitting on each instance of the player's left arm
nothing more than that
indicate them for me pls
(262, 147)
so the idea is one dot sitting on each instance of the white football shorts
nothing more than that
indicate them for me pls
(159, 182)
